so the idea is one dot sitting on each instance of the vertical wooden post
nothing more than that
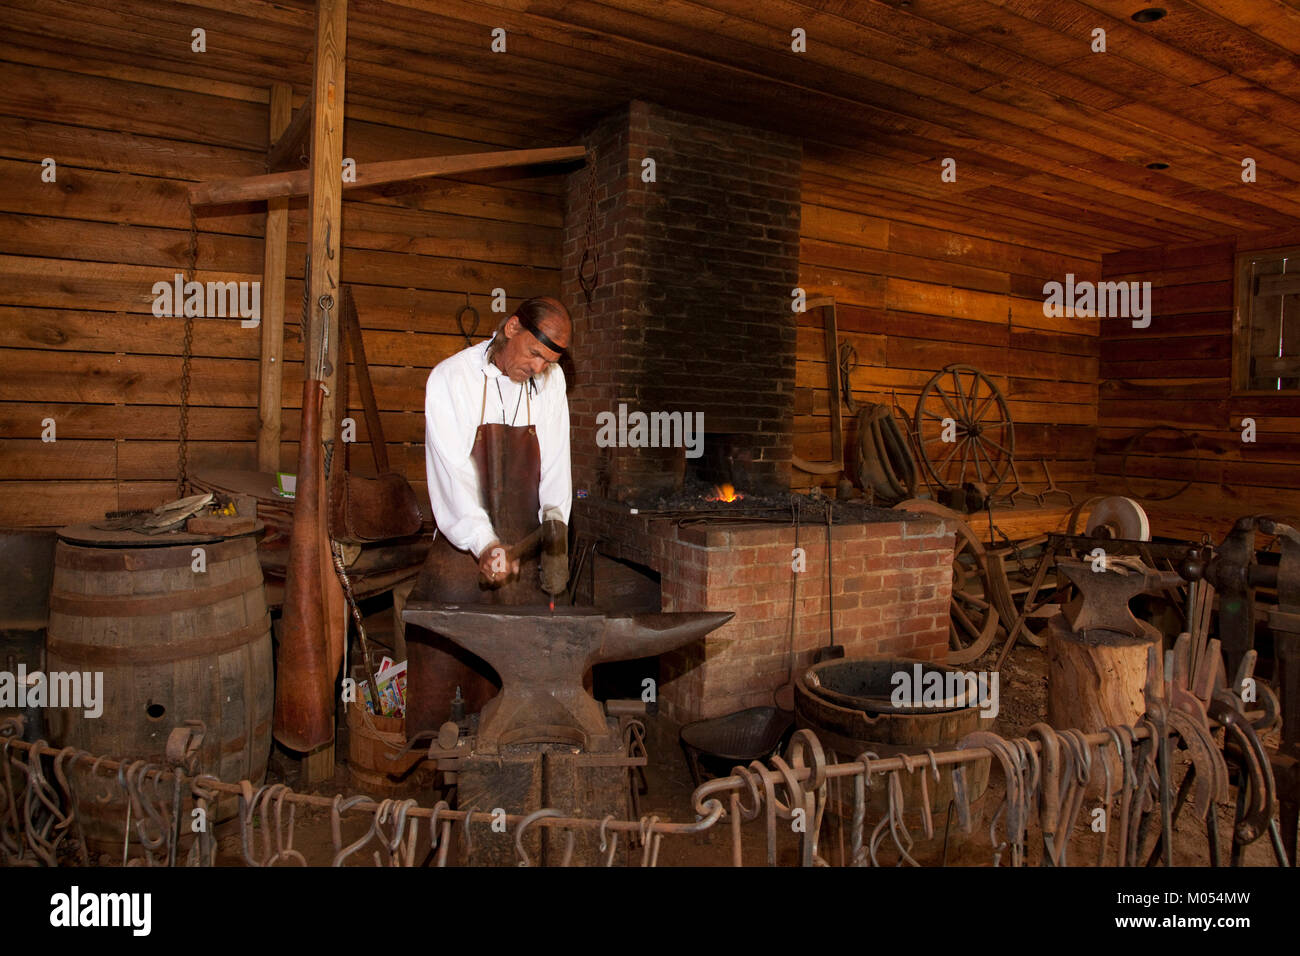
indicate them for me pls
(325, 206)
(325, 200)
(273, 275)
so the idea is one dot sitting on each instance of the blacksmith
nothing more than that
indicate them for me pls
(497, 460)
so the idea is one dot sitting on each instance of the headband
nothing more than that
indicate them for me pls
(538, 334)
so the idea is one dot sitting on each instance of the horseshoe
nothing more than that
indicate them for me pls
(377, 828)
(1049, 795)
(861, 784)
(469, 839)
(1081, 761)
(1014, 801)
(524, 824)
(747, 813)
(613, 839)
(341, 805)
(1107, 800)
(439, 840)
(460, 320)
(805, 742)
(280, 852)
(649, 841)
(769, 795)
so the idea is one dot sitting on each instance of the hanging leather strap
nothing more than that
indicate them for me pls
(374, 427)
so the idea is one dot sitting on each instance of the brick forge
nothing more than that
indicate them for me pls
(892, 583)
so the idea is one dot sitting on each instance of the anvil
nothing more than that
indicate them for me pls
(1105, 590)
(541, 657)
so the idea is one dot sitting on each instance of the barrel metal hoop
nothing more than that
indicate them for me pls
(131, 605)
(106, 656)
(80, 557)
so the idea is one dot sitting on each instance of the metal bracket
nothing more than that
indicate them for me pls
(184, 743)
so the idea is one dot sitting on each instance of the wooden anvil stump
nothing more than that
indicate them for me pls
(1097, 649)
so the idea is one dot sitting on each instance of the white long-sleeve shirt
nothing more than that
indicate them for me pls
(453, 399)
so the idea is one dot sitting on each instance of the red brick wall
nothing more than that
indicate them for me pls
(892, 584)
(692, 308)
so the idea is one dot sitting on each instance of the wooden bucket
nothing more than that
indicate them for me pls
(173, 644)
(371, 741)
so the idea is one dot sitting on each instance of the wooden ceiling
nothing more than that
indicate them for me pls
(1051, 139)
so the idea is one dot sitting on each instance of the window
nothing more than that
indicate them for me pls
(1266, 324)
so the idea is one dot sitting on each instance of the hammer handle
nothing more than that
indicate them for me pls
(526, 545)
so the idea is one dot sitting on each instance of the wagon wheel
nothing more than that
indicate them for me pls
(972, 619)
(983, 437)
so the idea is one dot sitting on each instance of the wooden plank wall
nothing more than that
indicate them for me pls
(912, 298)
(78, 259)
(1177, 373)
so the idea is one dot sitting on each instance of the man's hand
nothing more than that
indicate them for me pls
(495, 565)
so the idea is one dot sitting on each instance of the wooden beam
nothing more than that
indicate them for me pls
(289, 142)
(296, 183)
(273, 277)
(323, 183)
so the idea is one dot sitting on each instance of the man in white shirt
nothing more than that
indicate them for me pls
(497, 460)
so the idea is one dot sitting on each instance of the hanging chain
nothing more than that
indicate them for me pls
(586, 279)
(183, 446)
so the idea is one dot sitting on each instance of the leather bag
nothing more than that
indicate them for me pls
(367, 509)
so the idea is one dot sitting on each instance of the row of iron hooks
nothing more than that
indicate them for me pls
(783, 790)
(394, 821)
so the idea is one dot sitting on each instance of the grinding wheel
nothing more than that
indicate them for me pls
(1119, 517)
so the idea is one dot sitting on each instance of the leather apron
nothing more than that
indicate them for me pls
(508, 460)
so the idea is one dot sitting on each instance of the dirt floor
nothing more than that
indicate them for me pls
(1023, 702)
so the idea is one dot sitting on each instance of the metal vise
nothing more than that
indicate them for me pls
(541, 657)
(1236, 571)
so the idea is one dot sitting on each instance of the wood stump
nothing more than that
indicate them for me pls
(1095, 677)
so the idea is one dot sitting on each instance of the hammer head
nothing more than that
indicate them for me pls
(555, 556)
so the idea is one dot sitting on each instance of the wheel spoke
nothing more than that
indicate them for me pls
(990, 441)
(972, 600)
(983, 408)
(993, 465)
(965, 622)
(961, 394)
(952, 451)
(975, 449)
(938, 390)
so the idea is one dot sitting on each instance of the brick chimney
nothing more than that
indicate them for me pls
(695, 260)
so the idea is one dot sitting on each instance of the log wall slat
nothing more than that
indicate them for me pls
(1177, 372)
(79, 258)
(912, 299)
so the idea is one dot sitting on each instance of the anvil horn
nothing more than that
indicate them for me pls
(645, 635)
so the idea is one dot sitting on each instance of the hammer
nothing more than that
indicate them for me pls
(552, 537)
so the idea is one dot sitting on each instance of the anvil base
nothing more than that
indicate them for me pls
(527, 777)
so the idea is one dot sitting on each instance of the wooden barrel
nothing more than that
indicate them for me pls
(177, 637)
